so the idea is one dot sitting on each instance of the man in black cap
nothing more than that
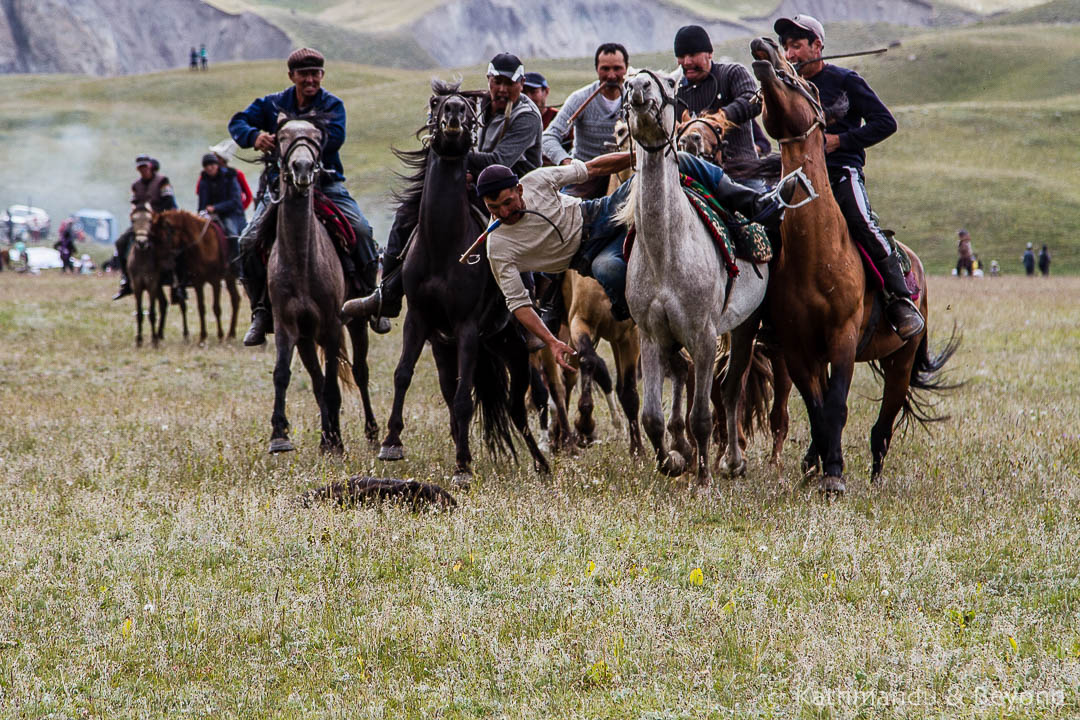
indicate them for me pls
(151, 189)
(535, 86)
(256, 127)
(707, 87)
(855, 119)
(510, 136)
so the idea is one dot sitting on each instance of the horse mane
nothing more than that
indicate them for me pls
(624, 214)
(415, 161)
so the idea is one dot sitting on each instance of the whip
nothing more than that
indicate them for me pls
(803, 63)
(470, 256)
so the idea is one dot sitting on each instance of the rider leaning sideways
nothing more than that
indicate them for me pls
(856, 120)
(510, 136)
(256, 127)
(153, 189)
(543, 229)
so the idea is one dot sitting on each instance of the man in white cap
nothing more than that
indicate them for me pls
(226, 151)
(855, 119)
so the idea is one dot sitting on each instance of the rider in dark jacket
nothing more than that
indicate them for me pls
(219, 194)
(855, 119)
(151, 189)
(255, 127)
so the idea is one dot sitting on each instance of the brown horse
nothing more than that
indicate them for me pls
(145, 263)
(825, 314)
(201, 243)
(703, 135)
(306, 285)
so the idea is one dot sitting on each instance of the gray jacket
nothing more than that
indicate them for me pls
(592, 128)
(518, 148)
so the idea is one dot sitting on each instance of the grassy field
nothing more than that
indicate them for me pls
(986, 141)
(153, 562)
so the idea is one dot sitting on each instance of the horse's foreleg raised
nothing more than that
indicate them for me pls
(279, 435)
(413, 334)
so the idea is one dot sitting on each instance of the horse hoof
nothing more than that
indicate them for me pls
(832, 486)
(674, 465)
(703, 488)
(336, 449)
(280, 445)
(391, 453)
(739, 470)
(461, 480)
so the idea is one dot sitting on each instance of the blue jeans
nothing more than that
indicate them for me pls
(233, 224)
(600, 255)
(366, 252)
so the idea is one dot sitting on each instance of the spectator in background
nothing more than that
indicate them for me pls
(194, 63)
(66, 245)
(964, 253)
(1028, 258)
(1044, 261)
(535, 86)
(202, 55)
(226, 151)
(594, 125)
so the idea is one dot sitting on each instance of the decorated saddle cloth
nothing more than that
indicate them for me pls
(335, 222)
(733, 235)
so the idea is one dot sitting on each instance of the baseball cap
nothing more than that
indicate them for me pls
(226, 149)
(210, 159)
(508, 65)
(803, 22)
(143, 160)
(535, 80)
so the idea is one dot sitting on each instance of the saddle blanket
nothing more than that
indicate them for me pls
(335, 222)
(733, 235)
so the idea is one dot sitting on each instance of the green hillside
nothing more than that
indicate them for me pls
(987, 140)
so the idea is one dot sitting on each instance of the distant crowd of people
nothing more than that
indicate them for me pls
(968, 262)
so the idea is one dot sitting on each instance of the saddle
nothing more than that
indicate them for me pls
(735, 237)
(335, 222)
(874, 277)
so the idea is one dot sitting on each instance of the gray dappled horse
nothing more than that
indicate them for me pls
(678, 290)
(306, 285)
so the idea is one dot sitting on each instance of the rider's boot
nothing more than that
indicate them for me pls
(902, 312)
(384, 303)
(125, 285)
(760, 207)
(254, 281)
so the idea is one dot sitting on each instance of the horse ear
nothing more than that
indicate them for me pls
(281, 117)
(685, 116)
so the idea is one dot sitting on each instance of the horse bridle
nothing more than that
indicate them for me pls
(701, 121)
(316, 148)
(658, 116)
(801, 87)
(433, 124)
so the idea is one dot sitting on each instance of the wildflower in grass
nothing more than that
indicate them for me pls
(1013, 645)
(125, 629)
(457, 566)
(697, 578)
(590, 569)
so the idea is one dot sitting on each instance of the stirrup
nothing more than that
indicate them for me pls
(800, 179)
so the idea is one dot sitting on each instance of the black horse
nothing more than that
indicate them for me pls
(457, 307)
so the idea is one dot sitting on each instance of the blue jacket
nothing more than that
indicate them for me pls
(854, 113)
(261, 116)
(221, 191)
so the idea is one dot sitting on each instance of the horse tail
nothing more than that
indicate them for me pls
(926, 381)
(344, 366)
(758, 393)
(491, 387)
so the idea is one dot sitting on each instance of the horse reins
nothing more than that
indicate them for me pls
(313, 145)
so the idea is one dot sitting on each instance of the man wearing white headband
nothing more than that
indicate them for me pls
(510, 136)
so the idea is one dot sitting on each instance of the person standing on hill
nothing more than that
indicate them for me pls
(1028, 258)
(855, 119)
(1044, 261)
(964, 254)
(194, 62)
(594, 126)
(202, 56)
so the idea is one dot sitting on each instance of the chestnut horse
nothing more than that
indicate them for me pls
(201, 243)
(825, 314)
(145, 263)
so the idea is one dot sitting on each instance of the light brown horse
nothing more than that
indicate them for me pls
(703, 135)
(824, 312)
(590, 320)
(146, 261)
(201, 243)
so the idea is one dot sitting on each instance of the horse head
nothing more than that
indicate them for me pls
(703, 136)
(141, 220)
(451, 119)
(300, 144)
(649, 101)
(792, 107)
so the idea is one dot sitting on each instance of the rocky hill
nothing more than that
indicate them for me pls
(116, 37)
